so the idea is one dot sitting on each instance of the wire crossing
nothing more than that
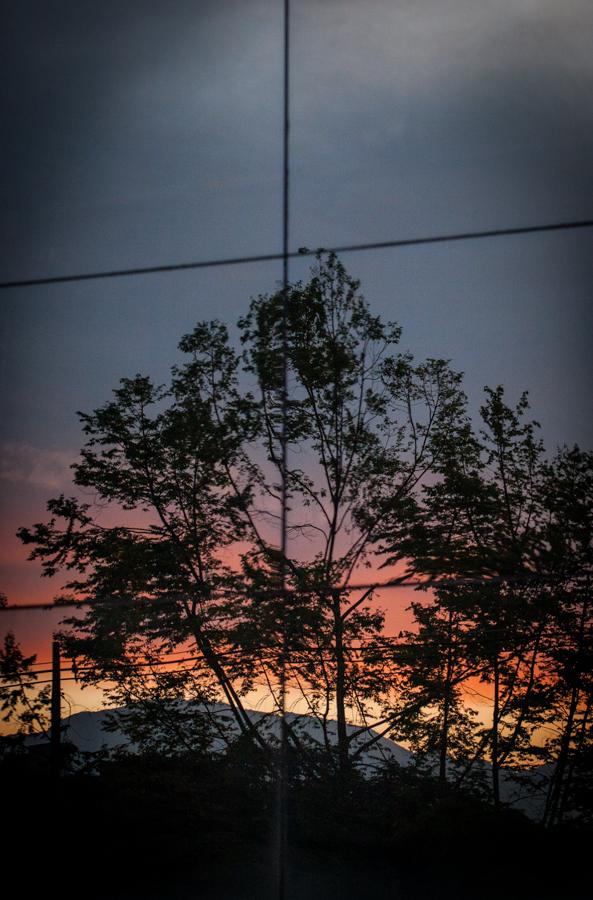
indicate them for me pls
(292, 254)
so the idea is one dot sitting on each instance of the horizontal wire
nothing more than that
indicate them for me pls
(48, 662)
(371, 586)
(304, 251)
(269, 655)
(465, 635)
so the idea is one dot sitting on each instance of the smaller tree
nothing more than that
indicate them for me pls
(158, 582)
(477, 525)
(567, 554)
(23, 704)
(434, 662)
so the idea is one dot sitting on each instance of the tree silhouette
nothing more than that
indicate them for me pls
(22, 703)
(519, 529)
(197, 461)
(385, 468)
(568, 552)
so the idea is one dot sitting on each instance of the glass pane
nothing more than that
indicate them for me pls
(150, 133)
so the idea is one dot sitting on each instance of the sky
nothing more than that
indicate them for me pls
(150, 132)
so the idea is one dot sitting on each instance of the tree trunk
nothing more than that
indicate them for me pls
(234, 701)
(494, 742)
(570, 773)
(556, 784)
(343, 758)
(444, 736)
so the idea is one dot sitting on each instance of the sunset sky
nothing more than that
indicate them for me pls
(150, 132)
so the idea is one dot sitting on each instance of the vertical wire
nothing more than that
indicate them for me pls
(283, 773)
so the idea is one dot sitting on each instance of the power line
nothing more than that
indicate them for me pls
(172, 656)
(270, 652)
(120, 664)
(304, 251)
(378, 654)
(428, 583)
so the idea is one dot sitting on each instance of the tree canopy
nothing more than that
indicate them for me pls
(384, 468)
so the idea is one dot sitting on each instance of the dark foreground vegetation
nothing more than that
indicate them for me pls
(155, 827)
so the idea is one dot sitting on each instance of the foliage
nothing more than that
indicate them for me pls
(23, 704)
(190, 598)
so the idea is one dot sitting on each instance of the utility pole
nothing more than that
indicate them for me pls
(56, 718)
